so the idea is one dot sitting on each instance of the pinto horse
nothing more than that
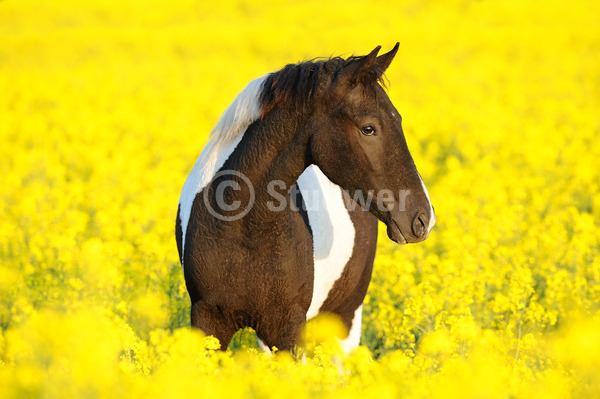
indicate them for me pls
(277, 222)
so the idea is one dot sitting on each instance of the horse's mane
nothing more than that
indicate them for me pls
(295, 83)
(244, 110)
(299, 82)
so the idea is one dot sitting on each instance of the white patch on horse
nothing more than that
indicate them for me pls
(432, 220)
(264, 346)
(223, 140)
(332, 229)
(353, 340)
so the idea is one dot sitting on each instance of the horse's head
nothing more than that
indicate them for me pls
(359, 144)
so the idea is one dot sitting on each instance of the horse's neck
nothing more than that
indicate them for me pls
(273, 150)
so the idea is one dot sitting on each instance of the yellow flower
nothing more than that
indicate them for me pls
(104, 107)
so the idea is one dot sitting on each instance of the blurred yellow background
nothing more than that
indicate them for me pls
(105, 105)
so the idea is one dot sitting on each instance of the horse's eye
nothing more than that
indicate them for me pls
(368, 130)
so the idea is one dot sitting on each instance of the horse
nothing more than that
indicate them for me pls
(277, 221)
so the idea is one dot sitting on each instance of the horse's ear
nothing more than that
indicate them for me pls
(365, 65)
(354, 72)
(383, 61)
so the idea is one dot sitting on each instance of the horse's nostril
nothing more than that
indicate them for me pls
(418, 226)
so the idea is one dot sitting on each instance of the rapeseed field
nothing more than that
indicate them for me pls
(105, 105)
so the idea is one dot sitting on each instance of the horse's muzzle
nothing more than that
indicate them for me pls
(403, 230)
(394, 232)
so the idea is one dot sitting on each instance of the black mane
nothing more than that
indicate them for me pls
(298, 82)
